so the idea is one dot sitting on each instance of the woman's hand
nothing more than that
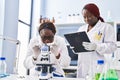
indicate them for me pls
(55, 50)
(89, 46)
(36, 51)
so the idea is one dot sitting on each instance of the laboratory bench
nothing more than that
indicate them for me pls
(70, 75)
(19, 77)
(28, 77)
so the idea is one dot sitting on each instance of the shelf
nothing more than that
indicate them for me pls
(112, 23)
(67, 24)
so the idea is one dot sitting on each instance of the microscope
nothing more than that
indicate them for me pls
(45, 63)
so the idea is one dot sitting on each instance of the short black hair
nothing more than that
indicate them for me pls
(47, 25)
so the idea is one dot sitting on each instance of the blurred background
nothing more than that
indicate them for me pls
(19, 20)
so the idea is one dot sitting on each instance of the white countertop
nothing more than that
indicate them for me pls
(18, 77)
(21, 77)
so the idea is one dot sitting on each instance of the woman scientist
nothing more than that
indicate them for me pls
(102, 39)
(57, 44)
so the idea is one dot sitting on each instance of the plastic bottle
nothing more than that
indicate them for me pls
(99, 69)
(3, 66)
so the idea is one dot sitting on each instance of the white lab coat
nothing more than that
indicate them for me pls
(104, 36)
(63, 61)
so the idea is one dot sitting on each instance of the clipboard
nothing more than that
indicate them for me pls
(75, 40)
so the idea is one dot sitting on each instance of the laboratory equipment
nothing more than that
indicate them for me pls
(45, 63)
(3, 67)
(99, 69)
(108, 72)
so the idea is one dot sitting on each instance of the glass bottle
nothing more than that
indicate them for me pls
(3, 66)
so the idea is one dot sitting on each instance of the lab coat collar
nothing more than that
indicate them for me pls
(96, 26)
